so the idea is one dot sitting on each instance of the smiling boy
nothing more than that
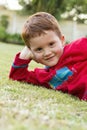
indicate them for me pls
(66, 65)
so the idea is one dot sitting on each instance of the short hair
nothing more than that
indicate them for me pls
(37, 24)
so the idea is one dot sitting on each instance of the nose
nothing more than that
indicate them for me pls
(47, 52)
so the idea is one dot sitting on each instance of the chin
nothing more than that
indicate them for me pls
(51, 65)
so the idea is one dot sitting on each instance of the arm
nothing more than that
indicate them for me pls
(26, 54)
(19, 70)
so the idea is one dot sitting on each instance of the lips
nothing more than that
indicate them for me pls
(50, 58)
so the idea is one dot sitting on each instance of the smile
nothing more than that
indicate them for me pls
(50, 58)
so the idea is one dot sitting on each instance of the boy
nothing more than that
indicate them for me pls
(66, 65)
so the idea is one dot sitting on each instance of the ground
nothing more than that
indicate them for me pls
(29, 107)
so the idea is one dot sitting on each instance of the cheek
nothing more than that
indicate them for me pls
(59, 51)
(37, 56)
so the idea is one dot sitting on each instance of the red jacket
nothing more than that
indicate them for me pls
(69, 75)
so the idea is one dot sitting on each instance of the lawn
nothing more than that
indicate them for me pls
(28, 107)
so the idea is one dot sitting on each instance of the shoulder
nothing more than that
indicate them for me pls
(79, 41)
(76, 46)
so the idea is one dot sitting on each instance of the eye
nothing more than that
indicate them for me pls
(39, 49)
(51, 44)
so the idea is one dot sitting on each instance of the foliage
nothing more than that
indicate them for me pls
(2, 34)
(3, 26)
(29, 107)
(52, 6)
(5, 36)
(55, 7)
(79, 5)
(14, 38)
(10, 38)
(4, 21)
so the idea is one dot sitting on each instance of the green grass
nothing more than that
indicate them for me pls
(28, 107)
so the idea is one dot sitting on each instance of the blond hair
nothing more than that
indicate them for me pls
(37, 24)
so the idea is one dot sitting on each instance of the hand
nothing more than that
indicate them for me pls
(26, 54)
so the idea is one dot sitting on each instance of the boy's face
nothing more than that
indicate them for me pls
(47, 48)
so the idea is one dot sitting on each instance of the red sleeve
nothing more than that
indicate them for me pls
(19, 71)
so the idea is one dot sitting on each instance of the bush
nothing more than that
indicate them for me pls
(4, 21)
(10, 38)
(6, 37)
(2, 34)
(14, 38)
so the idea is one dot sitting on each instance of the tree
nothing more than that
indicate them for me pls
(55, 7)
(79, 5)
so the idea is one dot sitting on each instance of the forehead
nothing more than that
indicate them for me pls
(47, 37)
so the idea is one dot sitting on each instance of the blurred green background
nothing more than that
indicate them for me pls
(72, 17)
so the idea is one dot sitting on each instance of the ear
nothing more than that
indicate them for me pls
(63, 40)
